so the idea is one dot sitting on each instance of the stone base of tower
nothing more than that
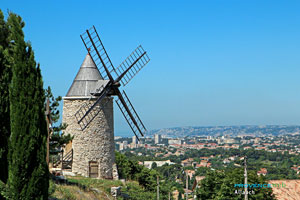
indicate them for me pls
(93, 147)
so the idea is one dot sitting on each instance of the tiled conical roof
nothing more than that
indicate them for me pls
(87, 80)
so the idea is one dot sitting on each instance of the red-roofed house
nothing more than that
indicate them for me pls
(263, 171)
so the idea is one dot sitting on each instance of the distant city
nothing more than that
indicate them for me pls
(269, 138)
(174, 144)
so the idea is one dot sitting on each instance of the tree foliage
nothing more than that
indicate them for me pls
(154, 165)
(136, 193)
(220, 186)
(28, 170)
(5, 78)
(58, 138)
(147, 178)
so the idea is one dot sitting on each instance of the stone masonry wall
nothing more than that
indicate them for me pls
(96, 142)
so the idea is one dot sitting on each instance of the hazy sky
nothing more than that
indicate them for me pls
(212, 62)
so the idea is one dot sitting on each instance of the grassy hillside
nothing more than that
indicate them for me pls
(88, 188)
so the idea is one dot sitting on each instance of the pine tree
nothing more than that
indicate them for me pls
(5, 78)
(58, 138)
(28, 171)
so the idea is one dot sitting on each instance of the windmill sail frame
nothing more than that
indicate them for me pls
(124, 73)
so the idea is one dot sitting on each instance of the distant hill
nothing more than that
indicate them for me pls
(226, 130)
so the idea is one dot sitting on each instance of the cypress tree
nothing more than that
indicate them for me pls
(28, 171)
(39, 182)
(5, 78)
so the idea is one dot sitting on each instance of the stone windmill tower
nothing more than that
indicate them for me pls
(88, 107)
(92, 148)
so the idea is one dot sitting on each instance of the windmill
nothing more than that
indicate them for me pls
(114, 78)
(91, 153)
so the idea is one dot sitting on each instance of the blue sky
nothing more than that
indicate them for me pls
(212, 62)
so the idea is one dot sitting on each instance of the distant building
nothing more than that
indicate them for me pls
(133, 140)
(229, 141)
(204, 158)
(220, 141)
(209, 137)
(232, 158)
(257, 140)
(197, 181)
(226, 161)
(187, 162)
(121, 147)
(132, 146)
(174, 141)
(246, 148)
(260, 148)
(148, 164)
(157, 139)
(190, 173)
(263, 171)
(117, 145)
(203, 163)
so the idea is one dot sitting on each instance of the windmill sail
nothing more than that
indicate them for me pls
(130, 115)
(135, 61)
(98, 53)
(88, 111)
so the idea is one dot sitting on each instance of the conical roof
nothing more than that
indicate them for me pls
(87, 80)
